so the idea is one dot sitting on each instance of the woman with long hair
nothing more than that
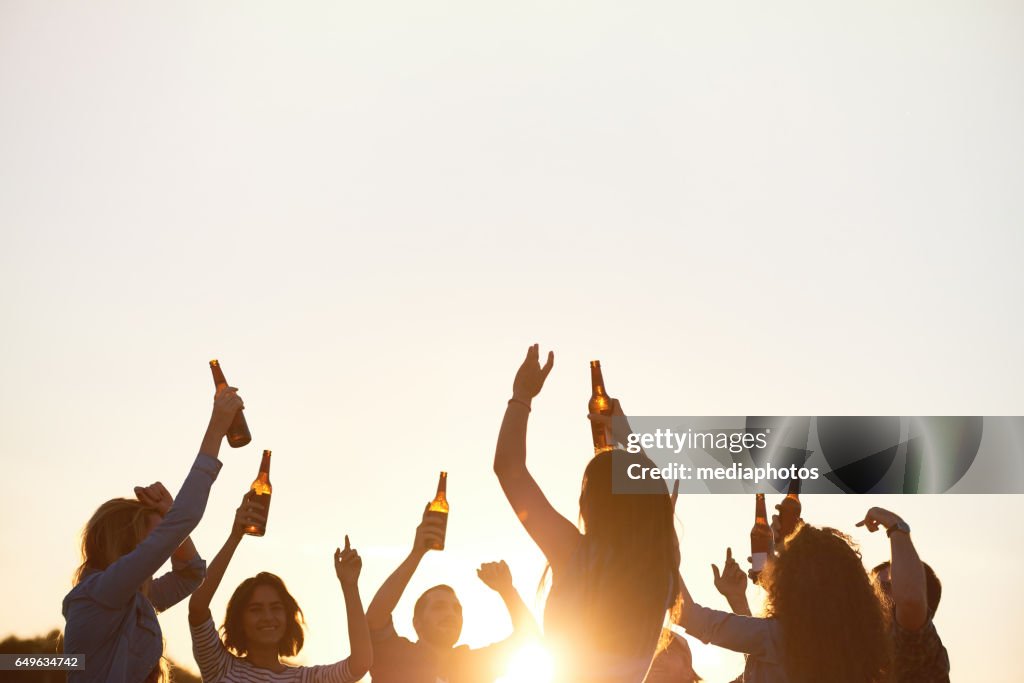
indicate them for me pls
(823, 618)
(613, 579)
(111, 610)
(264, 623)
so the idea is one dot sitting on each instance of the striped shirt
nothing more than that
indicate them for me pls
(217, 665)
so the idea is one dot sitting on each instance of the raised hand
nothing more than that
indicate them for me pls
(249, 513)
(530, 376)
(429, 533)
(731, 581)
(347, 564)
(155, 496)
(876, 517)
(226, 404)
(496, 576)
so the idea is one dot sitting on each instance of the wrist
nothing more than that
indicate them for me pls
(520, 400)
(899, 527)
(505, 591)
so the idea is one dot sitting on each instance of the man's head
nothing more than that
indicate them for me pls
(437, 616)
(881, 575)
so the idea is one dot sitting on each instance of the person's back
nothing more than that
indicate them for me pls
(612, 584)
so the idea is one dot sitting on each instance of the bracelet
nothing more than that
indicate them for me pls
(522, 403)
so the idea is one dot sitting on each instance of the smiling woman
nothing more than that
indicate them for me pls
(262, 612)
(264, 622)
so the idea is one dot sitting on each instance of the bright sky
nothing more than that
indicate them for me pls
(367, 211)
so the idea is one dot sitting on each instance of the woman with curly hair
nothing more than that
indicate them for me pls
(823, 619)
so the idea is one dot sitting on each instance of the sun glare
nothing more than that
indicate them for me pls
(531, 664)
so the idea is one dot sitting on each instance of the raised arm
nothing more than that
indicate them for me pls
(187, 568)
(119, 582)
(428, 534)
(248, 513)
(554, 534)
(347, 565)
(731, 582)
(498, 577)
(909, 588)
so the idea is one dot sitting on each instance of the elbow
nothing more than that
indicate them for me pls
(912, 612)
(508, 471)
(198, 611)
(359, 665)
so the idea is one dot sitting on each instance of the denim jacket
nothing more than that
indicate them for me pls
(109, 620)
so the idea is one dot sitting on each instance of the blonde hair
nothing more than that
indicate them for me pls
(114, 530)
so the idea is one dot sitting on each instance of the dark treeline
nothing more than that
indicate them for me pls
(48, 645)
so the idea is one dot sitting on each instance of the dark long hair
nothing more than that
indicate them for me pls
(834, 627)
(234, 630)
(627, 564)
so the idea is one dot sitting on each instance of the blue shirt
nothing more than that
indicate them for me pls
(109, 620)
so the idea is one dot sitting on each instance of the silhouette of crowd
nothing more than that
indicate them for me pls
(615, 609)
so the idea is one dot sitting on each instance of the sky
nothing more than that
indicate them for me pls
(368, 211)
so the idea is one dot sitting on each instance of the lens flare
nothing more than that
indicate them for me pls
(532, 663)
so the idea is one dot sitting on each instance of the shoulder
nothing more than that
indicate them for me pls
(387, 636)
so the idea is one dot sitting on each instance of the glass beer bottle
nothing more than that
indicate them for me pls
(600, 404)
(238, 433)
(439, 508)
(789, 509)
(259, 493)
(760, 536)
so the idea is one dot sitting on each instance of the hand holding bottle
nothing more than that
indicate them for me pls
(429, 534)
(249, 513)
(226, 404)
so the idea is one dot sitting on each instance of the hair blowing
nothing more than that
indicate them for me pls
(114, 530)
(834, 627)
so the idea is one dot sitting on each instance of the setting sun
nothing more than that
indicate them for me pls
(531, 664)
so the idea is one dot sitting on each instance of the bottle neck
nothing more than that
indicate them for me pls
(442, 486)
(265, 463)
(760, 510)
(218, 374)
(596, 379)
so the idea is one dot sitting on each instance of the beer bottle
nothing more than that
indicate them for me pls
(238, 433)
(760, 536)
(600, 404)
(789, 509)
(259, 493)
(439, 508)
